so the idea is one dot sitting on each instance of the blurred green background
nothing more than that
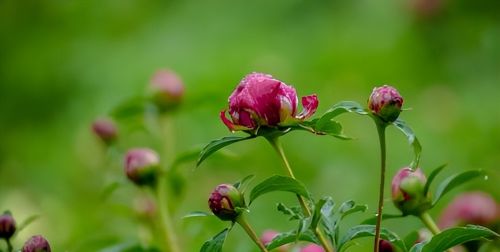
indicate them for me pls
(64, 63)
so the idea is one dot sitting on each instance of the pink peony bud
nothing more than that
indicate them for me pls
(385, 102)
(260, 100)
(470, 208)
(168, 89)
(312, 248)
(141, 166)
(7, 226)
(105, 129)
(36, 244)
(224, 201)
(408, 191)
(385, 246)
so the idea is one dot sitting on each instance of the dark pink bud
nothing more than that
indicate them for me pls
(168, 89)
(225, 201)
(312, 248)
(7, 226)
(408, 191)
(142, 165)
(260, 100)
(385, 246)
(36, 244)
(385, 102)
(476, 208)
(105, 129)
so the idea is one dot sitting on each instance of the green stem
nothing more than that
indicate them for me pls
(169, 238)
(381, 135)
(251, 233)
(9, 245)
(426, 218)
(274, 141)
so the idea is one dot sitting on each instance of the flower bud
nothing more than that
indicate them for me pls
(7, 226)
(224, 201)
(312, 248)
(385, 102)
(36, 244)
(385, 246)
(268, 236)
(260, 100)
(408, 192)
(141, 166)
(476, 208)
(105, 129)
(168, 89)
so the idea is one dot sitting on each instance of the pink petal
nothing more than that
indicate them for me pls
(309, 104)
(226, 121)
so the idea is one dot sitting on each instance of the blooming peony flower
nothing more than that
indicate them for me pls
(385, 102)
(261, 100)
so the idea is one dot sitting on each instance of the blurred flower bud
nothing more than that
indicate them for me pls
(268, 236)
(385, 246)
(385, 102)
(142, 165)
(36, 244)
(7, 226)
(105, 129)
(312, 248)
(476, 208)
(224, 201)
(260, 100)
(408, 192)
(145, 207)
(168, 89)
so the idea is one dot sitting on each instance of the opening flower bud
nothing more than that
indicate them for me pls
(168, 89)
(105, 129)
(261, 100)
(36, 244)
(385, 102)
(142, 166)
(225, 202)
(408, 192)
(7, 226)
(476, 208)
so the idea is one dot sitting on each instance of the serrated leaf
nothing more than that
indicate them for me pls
(215, 244)
(455, 236)
(196, 214)
(215, 145)
(369, 230)
(279, 183)
(373, 220)
(289, 237)
(243, 182)
(431, 178)
(454, 181)
(294, 212)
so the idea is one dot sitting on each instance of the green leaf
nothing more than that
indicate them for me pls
(411, 238)
(215, 244)
(215, 145)
(417, 148)
(369, 230)
(432, 176)
(373, 220)
(350, 207)
(243, 182)
(294, 212)
(196, 214)
(455, 236)
(279, 183)
(186, 156)
(26, 223)
(454, 181)
(289, 237)
(317, 215)
(340, 108)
